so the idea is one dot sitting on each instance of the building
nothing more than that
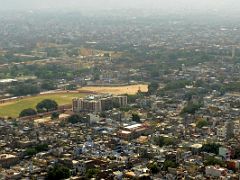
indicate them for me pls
(134, 131)
(86, 105)
(7, 160)
(225, 152)
(215, 171)
(11, 174)
(98, 103)
(121, 100)
(221, 132)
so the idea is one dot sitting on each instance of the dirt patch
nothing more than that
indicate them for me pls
(131, 89)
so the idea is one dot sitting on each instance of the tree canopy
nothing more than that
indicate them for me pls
(47, 105)
(211, 148)
(92, 172)
(75, 118)
(55, 115)
(169, 163)
(154, 168)
(213, 161)
(24, 89)
(135, 117)
(191, 107)
(28, 112)
(164, 141)
(36, 149)
(201, 123)
(58, 172)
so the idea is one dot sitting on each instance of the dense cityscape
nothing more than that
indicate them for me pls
(125, 94)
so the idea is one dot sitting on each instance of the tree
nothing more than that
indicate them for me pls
(47, 105)
(211, 148)
(62, 124)
(75, 118)
(55, 115)
(201, 123)
(213, 161)
(48, 86)
(24, 89)
(169, 163)
(144, 154)
(71, 87)
(191, 108)
(92, 172)
(173, 85)
(58, 172)
(164, 141)
(136, 118)
(154, 168)
(28, 112)
(41, 147)
(31, 151)
(236, 153)
(96, 73)
(36, 149)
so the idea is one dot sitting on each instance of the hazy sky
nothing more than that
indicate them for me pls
(194, 5)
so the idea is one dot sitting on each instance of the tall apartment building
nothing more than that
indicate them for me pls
(97, 103)
(121, 100)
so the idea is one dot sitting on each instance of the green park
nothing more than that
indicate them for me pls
(13, 108)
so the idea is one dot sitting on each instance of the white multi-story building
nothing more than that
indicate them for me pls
(225, 152)
(98, 103)
(222, 132)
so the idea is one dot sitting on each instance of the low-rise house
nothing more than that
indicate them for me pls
(7, 160)
(214, 171)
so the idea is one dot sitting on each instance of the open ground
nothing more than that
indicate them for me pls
(116, 90)
(12, 109)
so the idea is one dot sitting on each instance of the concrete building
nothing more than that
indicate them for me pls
(221, 132)
(215, 171)
(225, 152)
(134, 131)
(7, 160)
(98, 103)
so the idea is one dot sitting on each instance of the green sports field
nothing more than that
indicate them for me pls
(12, 109)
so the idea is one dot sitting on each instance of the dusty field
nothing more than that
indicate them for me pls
(89, 52)
(132, 89)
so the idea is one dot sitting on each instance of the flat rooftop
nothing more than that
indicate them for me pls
(134, 126)
(125, 132)
(6, 156)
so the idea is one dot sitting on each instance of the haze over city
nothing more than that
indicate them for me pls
(164, 5)
(120, 89)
